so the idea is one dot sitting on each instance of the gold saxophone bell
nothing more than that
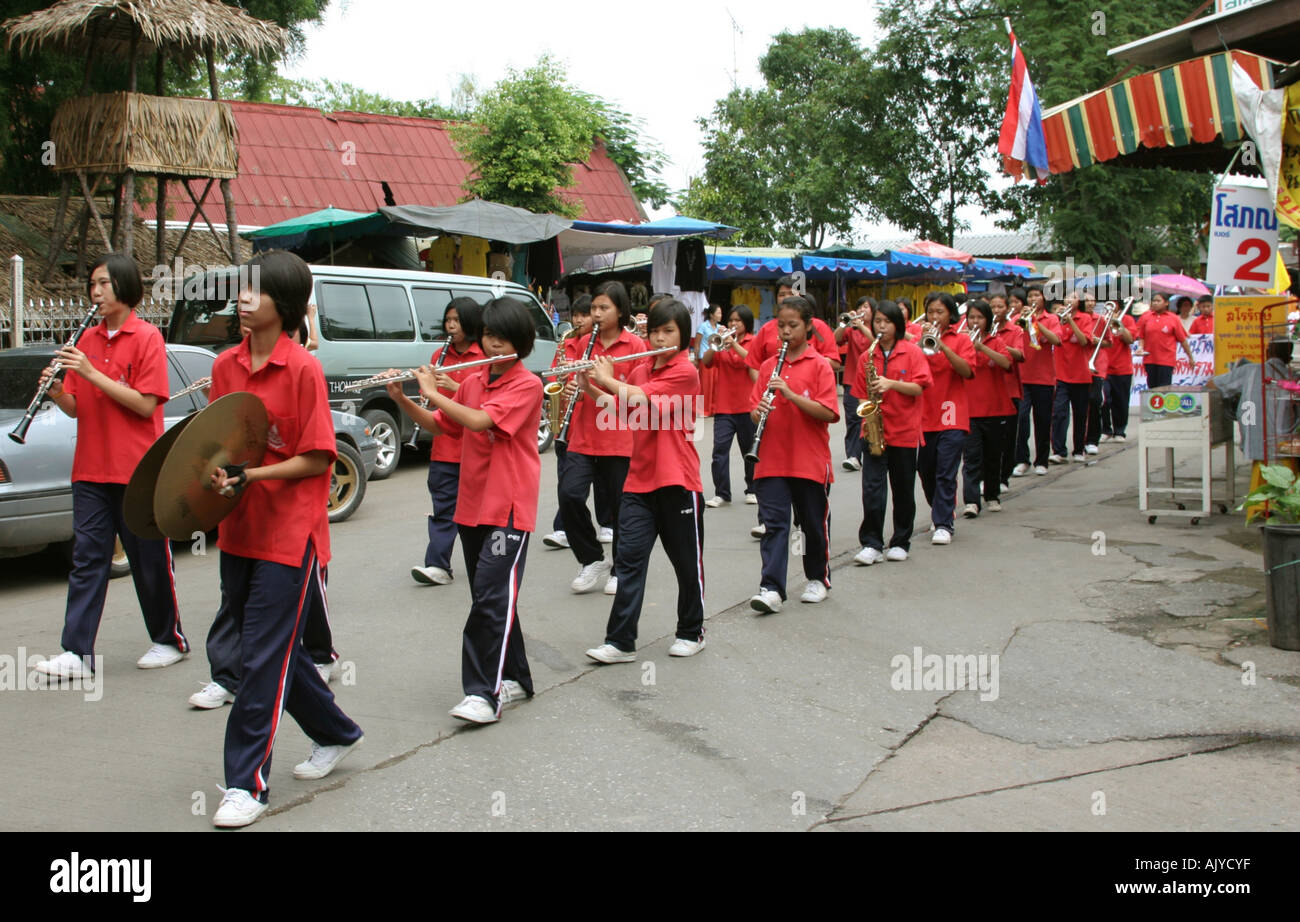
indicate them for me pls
(866, 408)
(553, 388)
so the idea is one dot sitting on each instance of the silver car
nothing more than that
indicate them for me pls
(36, 478)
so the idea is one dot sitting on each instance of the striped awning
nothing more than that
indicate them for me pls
(1177, 106)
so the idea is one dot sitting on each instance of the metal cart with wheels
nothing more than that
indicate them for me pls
(1183, 419)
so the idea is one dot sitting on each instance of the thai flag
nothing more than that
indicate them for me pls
(1022, 140)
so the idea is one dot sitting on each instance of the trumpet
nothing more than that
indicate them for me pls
(572, 368)
(402, 376)
(1111, 320)
(637, 328)
(199, 385)
(1026, 320)
(930, 339)
(847, 318)
(719, 341)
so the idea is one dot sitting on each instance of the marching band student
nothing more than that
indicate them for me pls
(274, 542)
(461, 323)
(794, 467)
(1073, 380)
(580, 315)
(1038, 377)
(495, 412)
(902, 372)
(115, 388)
(1097, 387)
(1204, 322)
(712, 324)
(989, 403)
(1159, 331)
(662, 496)
(913, 327)
(855, 339)
(1010, 336)
(597, 451)
(768, 340)
(734, 382)
(945, 419)
(1119, 378)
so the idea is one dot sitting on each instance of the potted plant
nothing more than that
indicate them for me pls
(1277, 502)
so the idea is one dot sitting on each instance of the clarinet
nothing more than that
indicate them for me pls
(19, 433)
(563, 434)
(762, 420)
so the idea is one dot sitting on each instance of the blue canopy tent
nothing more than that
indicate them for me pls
(741, 266)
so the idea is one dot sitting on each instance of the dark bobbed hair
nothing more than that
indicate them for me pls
(1281, 349)
(581, 305)
(867, 300)
(746, 316)
(286, 280)
(981, 307)
(800, 303)
(905, 305)
(508, 319)
(470, 314)
(617, 293)
(1204, 299)
(1020, 293)
(946, 300)
(671, 311)
(786, 281)
(1034, 287)
(123, 276)
(894, 314)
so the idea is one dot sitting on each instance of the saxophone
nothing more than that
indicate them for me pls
(873, 427)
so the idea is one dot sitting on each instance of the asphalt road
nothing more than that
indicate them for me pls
(792, 721)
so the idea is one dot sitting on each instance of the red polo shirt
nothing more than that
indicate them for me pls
(274, 519)
(732, 386)
(946, 406)
(795, 444)
(900, 414)
(986, 393)
(1119, 354)
(1072, 358)
(447, 447)
(1160, 334)
(585, 436)
(111, 439)
(767, 343)
(856, 345)
(663, 433)
(1039, 366)
(1202, 325)
(500, 470)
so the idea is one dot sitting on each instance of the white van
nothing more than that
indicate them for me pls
(370, 320)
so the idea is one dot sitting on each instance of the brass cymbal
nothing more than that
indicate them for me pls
(137, 502)
(230, 430)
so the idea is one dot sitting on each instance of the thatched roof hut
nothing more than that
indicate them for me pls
(180, 27)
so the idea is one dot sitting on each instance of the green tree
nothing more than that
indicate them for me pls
(332, 96)
(783, 162)
(523, 138)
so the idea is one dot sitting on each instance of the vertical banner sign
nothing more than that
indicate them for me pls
(1288, 183)
(1243, 237)
(1236, 328)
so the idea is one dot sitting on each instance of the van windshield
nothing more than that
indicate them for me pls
(211, 323)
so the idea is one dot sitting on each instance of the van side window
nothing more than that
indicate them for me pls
(392, 312)
(345, 312)
(430, 305)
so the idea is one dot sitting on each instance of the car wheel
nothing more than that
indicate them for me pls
(384, 429)
(347, 483)
(545, 437)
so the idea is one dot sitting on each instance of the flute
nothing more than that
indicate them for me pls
(380, 380)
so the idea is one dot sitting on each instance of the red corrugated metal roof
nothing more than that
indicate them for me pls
(293, 160)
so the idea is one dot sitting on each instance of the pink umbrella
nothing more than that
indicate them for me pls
(1028, 264)
(935, 250)
(1177, 285)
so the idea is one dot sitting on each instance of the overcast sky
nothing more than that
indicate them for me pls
(666, 62)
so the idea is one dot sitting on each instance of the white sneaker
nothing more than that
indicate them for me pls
(896, 553)
(1054, 458)
(608, 653)
(160, 655)
(238, 808)
(1104, 438)
(1040, 470)
(717, 501)
(431, 576)
(941, 536)
(686, 647)
(590, 575)
(867, 556)
(556, 539)
(1091, 449)
(66, 666)
(766, 601)
(323, 760)
(851, 464)
(326, 671)
(751, 499)
(758, 531)
(475, 710)
(1119, 438)
(971, 511)
(1020, 469)
(611, 586)
(605, 535)
(814, 592)
(511, 692)
(993, 505)
(1078, 459)
(213, 695)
